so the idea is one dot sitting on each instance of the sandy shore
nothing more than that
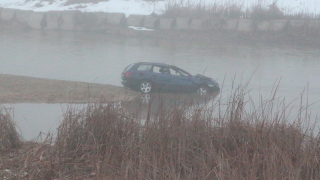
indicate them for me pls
(21, 89)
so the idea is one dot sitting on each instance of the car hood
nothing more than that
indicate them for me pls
(202, 77)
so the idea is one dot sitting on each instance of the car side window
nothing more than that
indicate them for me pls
(144, 67)
(157, 69)
(161, 69)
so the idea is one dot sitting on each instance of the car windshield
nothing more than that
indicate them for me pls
(179, 72)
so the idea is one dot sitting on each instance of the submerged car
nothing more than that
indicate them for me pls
(147, 77)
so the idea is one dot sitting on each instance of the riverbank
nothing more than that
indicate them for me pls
(105, 142)
(21, 89)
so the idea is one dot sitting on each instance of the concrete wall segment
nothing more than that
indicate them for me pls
(166, 23)
(197, 24)
(297, 24)
(69, 19)
(135, 20)
(116, 18)
(278, 25)
(37, 20)
(313, 27)
(263, 26)
(89, 21)
(151, 22)
(182, 23)
(230, 24)
(245, 25)
(101, 17)
(22, 16)
(53, 20)
(212, 23)
(1, 8)
(313, 24)
(8, 14)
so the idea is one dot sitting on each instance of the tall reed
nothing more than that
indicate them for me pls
(9, 137)
(220, 141)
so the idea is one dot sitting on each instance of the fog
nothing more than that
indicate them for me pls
(97, 58)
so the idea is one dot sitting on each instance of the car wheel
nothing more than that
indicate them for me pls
(203, 90)
(145, 87)
(146, 98)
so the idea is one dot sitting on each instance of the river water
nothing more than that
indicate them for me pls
(98, 58)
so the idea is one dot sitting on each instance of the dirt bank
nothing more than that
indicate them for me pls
(21, 89)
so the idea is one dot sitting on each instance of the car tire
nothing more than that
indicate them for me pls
(203, 90)
(145, 87)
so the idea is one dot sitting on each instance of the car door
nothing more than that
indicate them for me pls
(142, 72)
(161, 77)
(181, 80)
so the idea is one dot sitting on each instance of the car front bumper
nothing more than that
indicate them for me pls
(214, 88)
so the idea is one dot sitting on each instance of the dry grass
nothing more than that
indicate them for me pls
(9, 137)
(232, 9)
(220, 141)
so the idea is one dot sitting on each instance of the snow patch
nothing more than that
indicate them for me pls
(140, 28)
(148, 7)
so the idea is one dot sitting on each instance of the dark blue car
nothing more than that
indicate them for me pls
(147, 77)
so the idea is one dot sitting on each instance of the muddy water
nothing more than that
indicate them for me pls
(101, 59)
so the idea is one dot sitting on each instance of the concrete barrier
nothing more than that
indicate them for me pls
(90, 21)
(135, 20)
(151, 22)
(53, 20)
(165, 23)
(263, 26)
(182, 23)
(212, 23)
(0, 18)
(116, 18)
(100, 17)
(8, 14)
(22, 16)
(245, 25)
(313, 25)
(68, 19)
(197, 24)
(230, 24)
(76, 20)
(37, 20)
(297, 24)
(277, 25)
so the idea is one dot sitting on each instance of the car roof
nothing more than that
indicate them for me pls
(156, 63)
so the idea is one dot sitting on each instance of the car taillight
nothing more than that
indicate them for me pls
(127, 74)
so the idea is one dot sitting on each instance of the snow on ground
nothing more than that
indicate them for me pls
(122, 6)
(147, 7)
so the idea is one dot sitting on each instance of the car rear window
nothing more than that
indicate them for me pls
(144, 67)
(128, 67)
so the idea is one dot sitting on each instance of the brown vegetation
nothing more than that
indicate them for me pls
(20, 89)
(232, 9)
(9, 137)
(105, 142)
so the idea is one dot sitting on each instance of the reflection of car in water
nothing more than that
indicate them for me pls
(148, 77)
(153, 103)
